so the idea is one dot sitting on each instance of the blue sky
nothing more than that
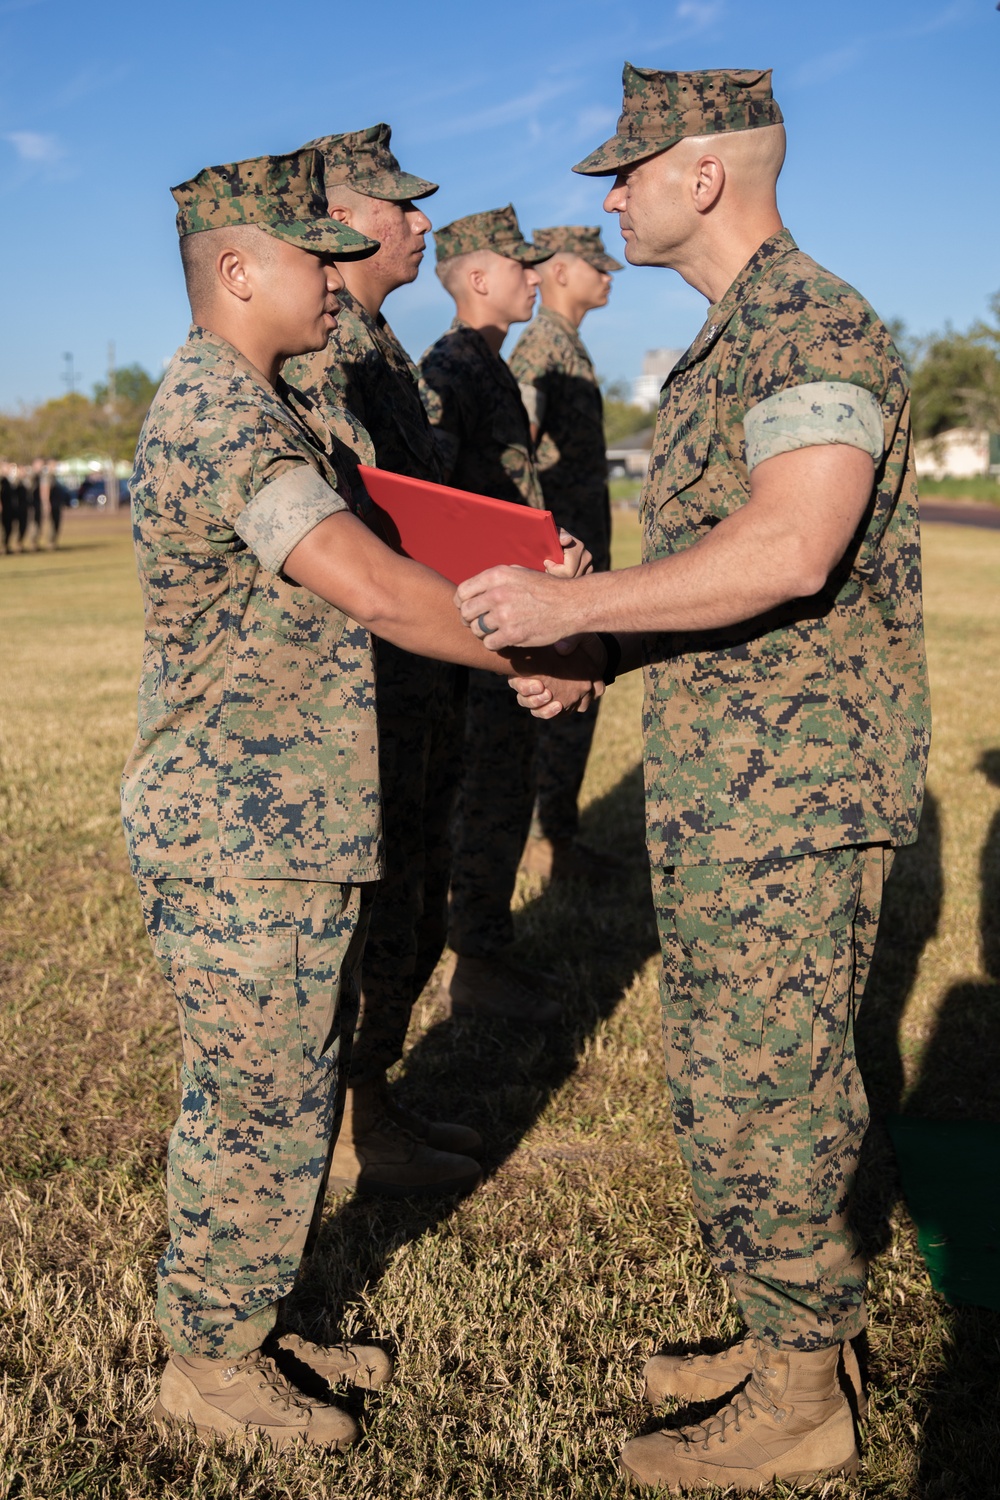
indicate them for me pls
(891, 178)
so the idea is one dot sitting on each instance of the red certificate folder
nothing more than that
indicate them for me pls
(457, 533)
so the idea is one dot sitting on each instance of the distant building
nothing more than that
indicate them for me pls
(959, 453)
(656, 366)
(629, 457)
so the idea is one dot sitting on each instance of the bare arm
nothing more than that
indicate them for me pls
(411, 606)
(803, 510)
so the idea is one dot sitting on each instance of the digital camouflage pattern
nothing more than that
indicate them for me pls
(474, 401)
(262, 971)
(361, 159)
(256, 752)
(659, 109)
(560, 392)
(365, 373)
(364, 376)
(576, 239)
(806, 729)
(282, 195)
(474, 404)
(764, 964)
(495, 229)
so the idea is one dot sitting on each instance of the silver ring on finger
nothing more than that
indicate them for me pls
(486, 629)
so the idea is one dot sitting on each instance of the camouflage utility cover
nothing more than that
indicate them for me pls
(361, 159)
(495, 229)
(659, 109)
(282, 195)
(365, 371)
(561, 394)
(808, 728)
(256, 752)
(576, 239)
(474, 402)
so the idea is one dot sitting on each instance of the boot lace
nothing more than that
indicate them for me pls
(272, 1385)
(746, 1405)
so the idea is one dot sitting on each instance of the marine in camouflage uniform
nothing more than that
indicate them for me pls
(364, 373)
(475, 405)
(563, 399)
(785, 756)
(250, 804)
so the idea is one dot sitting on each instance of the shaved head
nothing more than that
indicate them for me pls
(752, 158)
(341, 195)
(453, 273)
(200, 257)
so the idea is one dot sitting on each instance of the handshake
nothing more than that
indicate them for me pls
(534, 619)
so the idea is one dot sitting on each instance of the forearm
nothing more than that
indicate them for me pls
(394, 597)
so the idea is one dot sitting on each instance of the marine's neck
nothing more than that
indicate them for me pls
(486, 322)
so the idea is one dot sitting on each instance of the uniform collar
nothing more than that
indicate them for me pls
(224, 350)
(559, 320)
(721, 312)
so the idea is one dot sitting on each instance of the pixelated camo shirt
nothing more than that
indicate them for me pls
(256, 752)
(806, 729)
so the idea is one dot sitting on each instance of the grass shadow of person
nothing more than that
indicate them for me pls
(959, 1081)
(493, 1075)
(911, 911)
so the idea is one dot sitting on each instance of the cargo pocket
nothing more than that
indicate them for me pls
(770, 1012)
(239, 1011)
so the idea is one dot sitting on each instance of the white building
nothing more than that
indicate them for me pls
(959, 453)
(656, 366)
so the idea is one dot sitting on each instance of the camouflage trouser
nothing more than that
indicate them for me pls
(763, 967)
(258, 968)
(560, 762)
(492, 816)
(419, 766)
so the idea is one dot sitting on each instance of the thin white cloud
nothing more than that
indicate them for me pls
(827, 65)
(514, 111)
(35, 147)
(699, 13)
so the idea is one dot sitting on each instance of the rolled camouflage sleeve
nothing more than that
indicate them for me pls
(827, 411)
(285, 510)
(823, 383)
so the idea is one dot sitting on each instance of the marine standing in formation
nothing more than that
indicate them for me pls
(251, 796)
(488, 268)
(364, 370)
(777, 614)
(566, 411)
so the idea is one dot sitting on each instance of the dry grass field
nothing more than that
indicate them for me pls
(522, 1315)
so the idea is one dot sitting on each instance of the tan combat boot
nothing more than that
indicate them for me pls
(706, 1377)
(248, 1396)
(363, 1365)
(443, 1135)
(791, 1421)
(488, 988)
(375, 1154)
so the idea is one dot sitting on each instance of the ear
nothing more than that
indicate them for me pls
(233, 274)
(707, 183)
(561, 273)
(479, 281)
(339, 212)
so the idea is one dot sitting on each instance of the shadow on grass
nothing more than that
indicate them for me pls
(495, 1076)
(959, 1080)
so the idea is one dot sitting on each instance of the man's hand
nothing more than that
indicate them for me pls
(576, 560)
(550, 682)
(508, 607)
